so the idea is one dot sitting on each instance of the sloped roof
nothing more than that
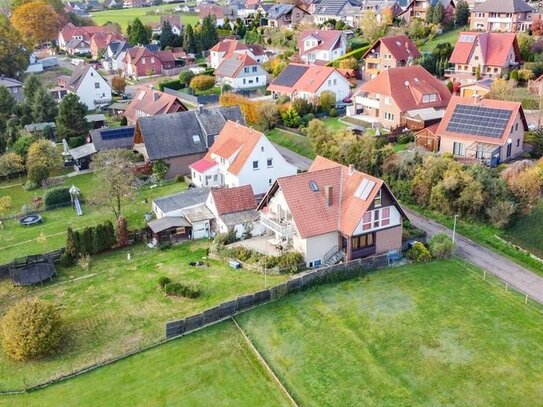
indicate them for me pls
(78, 75)
(400, 46)
(326, 39)
(311, 213)
(182, 200)
(103, 39)
(298, 77)
(230, 67)
(136, 53)
(488, 107)
(75, 43)
(203, 165)
(106, 139)
(10, 82)
(407, 85)
(334, 7)
(503, 6)
(231, 200)
(495, 47)
(152, 102)
(159, 225)
(235, 142)
(228, 45)
(278, 10)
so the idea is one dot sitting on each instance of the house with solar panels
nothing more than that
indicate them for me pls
(482, 130)
(332, 213)
(336, 9)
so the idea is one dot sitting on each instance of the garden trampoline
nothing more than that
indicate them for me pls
(29, 220)
(33, 273)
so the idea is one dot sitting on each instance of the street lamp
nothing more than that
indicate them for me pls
(454, 229)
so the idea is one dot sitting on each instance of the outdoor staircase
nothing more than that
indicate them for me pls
(334, 258)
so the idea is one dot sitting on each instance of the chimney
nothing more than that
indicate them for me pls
(351, 169)
(156, 96)
(328, 189)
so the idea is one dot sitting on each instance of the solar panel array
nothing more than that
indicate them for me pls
(479, 121)
(290, 75)
(122, 132)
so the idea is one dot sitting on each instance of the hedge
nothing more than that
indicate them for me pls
(57, 197)
(356, 53)
(174, 84)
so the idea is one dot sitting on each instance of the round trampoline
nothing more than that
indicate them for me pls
(33, 274)
(30, 220)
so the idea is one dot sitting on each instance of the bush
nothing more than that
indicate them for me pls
(289, 261)
(175, 85)
(291, 118)
(441, 246)
(56, 197)
(31, 329)
(30, 185)
(74, 142)
(302, 106)
(38, 173)
(307, 118)
(185, 77)
(179, 178)
(201, 83)
(332, 112)
(419, 253)
(163, 281)
(66, 260)
(181, 290)
(406, 137)
(327, 100)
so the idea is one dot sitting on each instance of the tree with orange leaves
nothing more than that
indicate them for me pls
(37, 21)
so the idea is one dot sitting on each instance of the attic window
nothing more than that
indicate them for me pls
(141, 95)
(313, 185)
(196, 139)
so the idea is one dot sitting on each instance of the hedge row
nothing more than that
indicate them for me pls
(356, 53)
(57, 197)
(174, 84)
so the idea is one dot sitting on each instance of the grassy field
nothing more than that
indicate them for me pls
(17, 241)
(334, 124)
(294, 142)
(211, 366)
(125, 16)
(449, 36)
(424, 335)
(526, 232)
(116, 306)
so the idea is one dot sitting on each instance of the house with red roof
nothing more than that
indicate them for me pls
(84, 33)
(389, 52)
(220, 13)
(483, 54)
(241, 156)
(332, 213)
(140, 61)
(321, 46)
(419, 9)
(483, 130)
(228, 47)
(309, 81)
(151, 102)
(408, 96)
(240, 71)
(100, 41)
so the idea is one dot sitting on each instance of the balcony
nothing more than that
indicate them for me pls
(281, 227)
(367, 102)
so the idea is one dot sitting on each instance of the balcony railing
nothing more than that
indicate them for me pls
(367, 102)
(284, 229)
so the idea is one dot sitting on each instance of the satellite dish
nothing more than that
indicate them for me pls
(509, 141)
(406, 83)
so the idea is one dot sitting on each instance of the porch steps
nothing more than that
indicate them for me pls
(334, 259)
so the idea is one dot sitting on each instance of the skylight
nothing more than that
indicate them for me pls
(364, 189)
(313, 185)
(196, 139)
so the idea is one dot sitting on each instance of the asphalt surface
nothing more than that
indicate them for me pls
(512, 273)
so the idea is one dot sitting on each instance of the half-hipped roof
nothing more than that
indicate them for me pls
(401, 47)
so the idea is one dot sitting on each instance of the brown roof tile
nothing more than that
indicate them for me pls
(237, 199)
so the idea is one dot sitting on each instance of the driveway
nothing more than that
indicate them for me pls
(513, 274)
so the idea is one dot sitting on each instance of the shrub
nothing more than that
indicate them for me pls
(163, 281)
(124, 121)
(31, 329)
(302, 106)
(407, 137)
(289, 261)
(179, 178)
(181, 290)
(38, 173)
(327, 100)
(66, 260)
(30, 185)
(307, 118)
(202, 82)
(419, 253)
(74, 142)
(185, 77)
(441, 246)
(56, 197)
(291, 118)
(160, 169)
(332, 112)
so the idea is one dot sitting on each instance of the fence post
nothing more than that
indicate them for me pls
(506, 286)
(526, 299)
(484, 275)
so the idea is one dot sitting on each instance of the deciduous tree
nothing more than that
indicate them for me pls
(11, 164)
(43, 152)
(14, 49)
(118, 84)
(37, 21)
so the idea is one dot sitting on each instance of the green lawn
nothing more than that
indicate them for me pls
(18, 241)
(422, 335)
(116, 306)
(418, 335)
(449, 36)
(124, 16)
(210, 367)
(294, 142)
(526, 232)
(334, 124)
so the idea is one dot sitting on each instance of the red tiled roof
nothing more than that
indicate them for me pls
(136, 53)
(231, 200)
(203, 165)
(494, 47)
(400, 46)
(234, 138)
(310, 81)
(406, 86)
(326, 39)
(166, 56)
(514, 107)
(152, 102)
(102, 40)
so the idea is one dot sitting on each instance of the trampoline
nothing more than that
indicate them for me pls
(30, 220)
(33, 273)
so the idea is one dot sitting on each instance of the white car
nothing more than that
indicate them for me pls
(76, 61)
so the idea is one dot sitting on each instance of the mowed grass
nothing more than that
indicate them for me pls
(450, 37)
(210, 367)
(526, 232)
(421, 335)
(116, 306)
(124, 16)
(294, 142)
(17, 241)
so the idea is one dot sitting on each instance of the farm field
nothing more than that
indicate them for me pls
(116, 306)
(124, 16)
(432, 334)
(17, 241)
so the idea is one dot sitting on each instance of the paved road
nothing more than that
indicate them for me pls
(510, 272)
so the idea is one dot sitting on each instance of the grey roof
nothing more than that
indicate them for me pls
(290, 75)
(278, 10)
(184, 133)
(503, 6)
(39, 126)
(117, 47)
(99, 117)
(77, 76)
(229, 66)
(182, 200)
(198, 213)
(74, 43)
(299, 161)
(118, 106)
(82, 151)
(10, 82)
(159, 225)
(428, 113)
(107, 139)
(333, 6)
(153, 47)
(238, 218)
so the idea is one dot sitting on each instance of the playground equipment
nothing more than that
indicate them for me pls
(75, 193)
(30, 220)
(32, 270)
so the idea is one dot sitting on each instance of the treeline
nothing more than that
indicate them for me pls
(91, 240)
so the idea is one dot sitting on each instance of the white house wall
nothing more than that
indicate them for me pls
(318, 246)
(395, 220)
(89, 93)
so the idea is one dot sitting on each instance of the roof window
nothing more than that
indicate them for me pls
(313, 185)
